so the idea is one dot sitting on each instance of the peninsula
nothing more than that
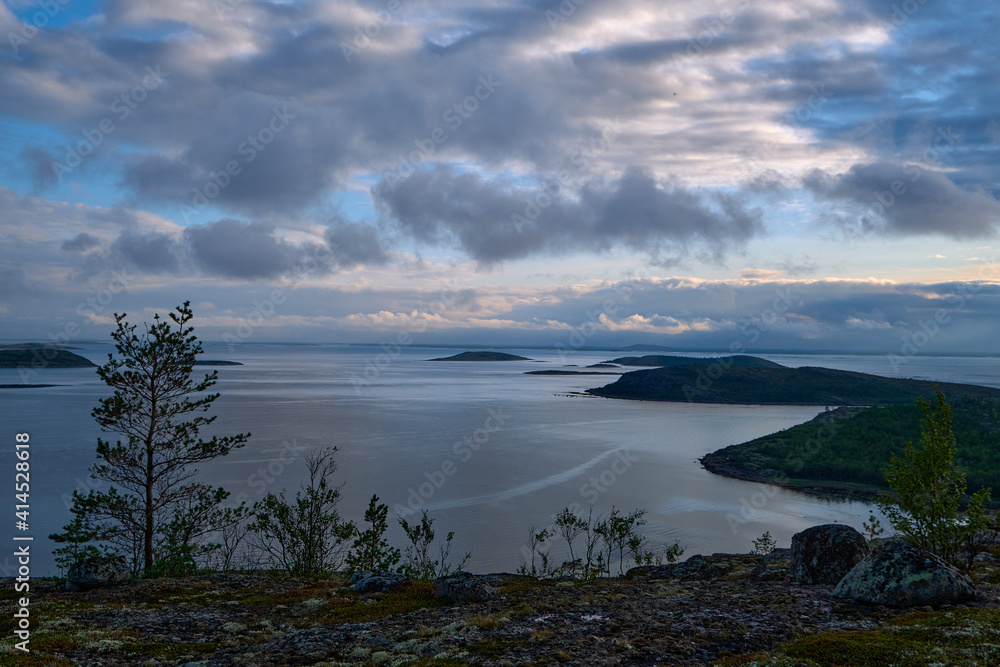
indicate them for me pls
(724, 380)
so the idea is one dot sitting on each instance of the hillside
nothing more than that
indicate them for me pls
(852, 446)
(40, 358)
(722, 610)
(483, 356)
(663, 361)
(777, 386)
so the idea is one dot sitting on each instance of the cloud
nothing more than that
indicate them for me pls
(908, 199)
(353, 244)
(245, 250)
(80, 243)
(497, 220)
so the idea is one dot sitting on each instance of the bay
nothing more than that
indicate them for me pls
(487, 450)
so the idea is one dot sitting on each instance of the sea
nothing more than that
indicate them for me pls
(490, 452)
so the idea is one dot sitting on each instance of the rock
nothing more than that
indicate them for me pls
(898, 574)
(377, 582)
(463, 587)
(96, 572)
(824, 554)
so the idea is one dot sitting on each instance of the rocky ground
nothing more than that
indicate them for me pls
(722, 609)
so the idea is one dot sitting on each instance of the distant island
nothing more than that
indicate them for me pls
(35, 346)
(726, 381)
(666, 361)
(40, 358)
(483, 356)
(215, 362)
(843, 452)
(558, 372)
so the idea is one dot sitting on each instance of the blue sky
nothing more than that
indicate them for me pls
(492, 173)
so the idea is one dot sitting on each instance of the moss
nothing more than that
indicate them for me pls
(494, 647)
(357, 608)
(965, 637)
(33, 659)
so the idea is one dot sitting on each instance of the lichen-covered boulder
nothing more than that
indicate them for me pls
(824, 554)
(377, 582)
(96, 572)
(463, 587)
(898, 574)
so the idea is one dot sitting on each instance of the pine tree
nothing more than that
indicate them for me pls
(156, 409)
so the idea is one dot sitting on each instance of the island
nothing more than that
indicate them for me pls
(483, 356)
(558, 372)
(43, 357)
(726, 381)
(216, 362)
(843, 452)
(35, 346)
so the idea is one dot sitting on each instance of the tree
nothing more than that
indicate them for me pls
(371, 551)
(929, 488)
(156, 409)
(420, 564)
(307, 536)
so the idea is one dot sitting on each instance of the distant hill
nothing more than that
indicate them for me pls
(35, 346)
(215, 362)
(483, 356)
(669, 361)
(714, 383)
(641, 347)
(40, 358)
(847, 449)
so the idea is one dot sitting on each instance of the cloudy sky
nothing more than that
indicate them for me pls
(807, 174)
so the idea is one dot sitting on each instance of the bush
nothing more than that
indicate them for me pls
(307, 536)
(929, 488)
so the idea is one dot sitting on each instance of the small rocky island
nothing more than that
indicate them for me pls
(483, 356)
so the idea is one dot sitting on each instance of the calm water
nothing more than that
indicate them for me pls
(488, 450)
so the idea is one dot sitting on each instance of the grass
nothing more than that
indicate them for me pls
(967, 637)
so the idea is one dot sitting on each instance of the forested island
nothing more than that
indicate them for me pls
(726, 380)
(43, 357)
(483, 356)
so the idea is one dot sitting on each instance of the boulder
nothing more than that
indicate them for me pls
(463, 587)
(824, 554)
(898, 574)
(96, 572)
(377, 582)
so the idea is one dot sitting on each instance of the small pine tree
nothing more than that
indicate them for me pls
(764, 544)
(371, 551)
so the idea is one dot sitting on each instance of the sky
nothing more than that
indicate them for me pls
(719, 174)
